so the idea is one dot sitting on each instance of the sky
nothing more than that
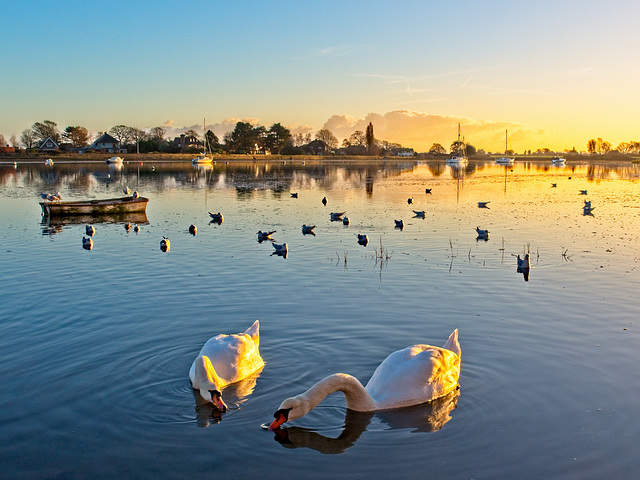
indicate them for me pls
(553, 73)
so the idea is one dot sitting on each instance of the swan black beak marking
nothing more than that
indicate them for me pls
(216, 398)
(280, 416)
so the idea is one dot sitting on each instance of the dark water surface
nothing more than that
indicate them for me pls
(96, 345)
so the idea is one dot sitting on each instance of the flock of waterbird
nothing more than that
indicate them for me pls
(523, 264)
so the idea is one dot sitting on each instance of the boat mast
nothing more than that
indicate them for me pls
(505, 143)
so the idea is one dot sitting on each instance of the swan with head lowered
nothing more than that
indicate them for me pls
(411, 376)
(223, 360)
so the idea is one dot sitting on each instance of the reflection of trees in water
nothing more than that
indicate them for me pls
(248, 177)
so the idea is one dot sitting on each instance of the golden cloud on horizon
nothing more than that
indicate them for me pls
(420, 130)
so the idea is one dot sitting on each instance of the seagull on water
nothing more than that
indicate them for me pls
(482, 234)
(216, 217)
(282, 249)
(363, 239)
(308, 229)
(193, 229)
(420, 213)
(165, 244)
(87, 243)
(90, 230)
(335, 216)
(524, 263)
(399, 224)
(126, 190)
(483, 204)
(265, 235)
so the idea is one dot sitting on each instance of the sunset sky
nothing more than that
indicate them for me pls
(555, 73)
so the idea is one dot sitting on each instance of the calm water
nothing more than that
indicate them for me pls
(96, 345)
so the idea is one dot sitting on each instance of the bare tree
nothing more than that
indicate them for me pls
(357, 138)
(14, 141)
(28, 138)
(46, 129)
(1, 140)
(325, 135)
(122, 133)
(157, 133)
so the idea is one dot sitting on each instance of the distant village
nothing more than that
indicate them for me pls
(45, 138)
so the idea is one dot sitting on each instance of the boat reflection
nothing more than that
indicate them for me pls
(234, 396)
(53, 225)
(425, 418)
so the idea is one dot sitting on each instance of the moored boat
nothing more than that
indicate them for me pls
(505, 160)
(558, 160)
(115, 161)
(459, 155)
(109, 206)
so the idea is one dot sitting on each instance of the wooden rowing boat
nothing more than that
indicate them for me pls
(109, 206)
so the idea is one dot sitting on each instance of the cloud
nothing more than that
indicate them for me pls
(168, 124)
(420, 130)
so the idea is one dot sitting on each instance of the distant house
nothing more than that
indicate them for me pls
(185, 142)
(317, 147)
(105, 144)
(403, 152)
(7, 149)
(49, 145)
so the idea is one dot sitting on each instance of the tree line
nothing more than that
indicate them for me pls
(246, 138)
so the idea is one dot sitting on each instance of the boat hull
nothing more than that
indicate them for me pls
(110, 206)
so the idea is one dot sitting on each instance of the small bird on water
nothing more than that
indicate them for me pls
(165, 244)
(265, 235)
(482, 234)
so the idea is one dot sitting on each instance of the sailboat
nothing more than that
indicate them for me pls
(505, 160)
(460, 157)
(203, 158)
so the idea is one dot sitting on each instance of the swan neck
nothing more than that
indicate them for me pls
(357, 397)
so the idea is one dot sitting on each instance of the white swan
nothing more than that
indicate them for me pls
(225, 359)
(411, 376)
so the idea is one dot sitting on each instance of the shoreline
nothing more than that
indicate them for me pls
(93, 158)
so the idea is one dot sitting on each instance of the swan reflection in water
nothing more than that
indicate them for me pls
(235, 395)
(424, 418)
